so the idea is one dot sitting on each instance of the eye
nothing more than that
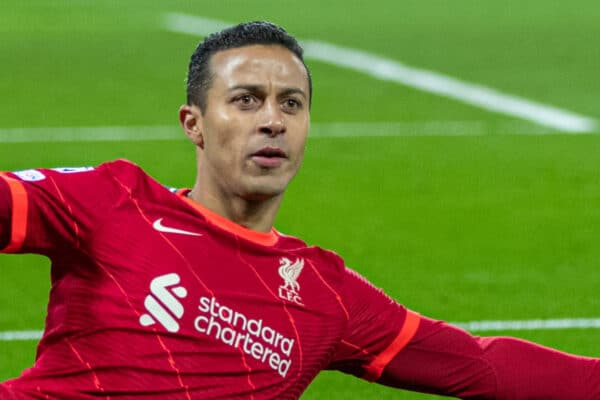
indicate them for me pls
(245, 100)
(292, 105)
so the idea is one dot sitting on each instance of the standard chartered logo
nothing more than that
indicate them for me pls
(252, 336)
(162, 304)
(233, 328)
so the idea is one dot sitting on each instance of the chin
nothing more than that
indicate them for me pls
(262, 192)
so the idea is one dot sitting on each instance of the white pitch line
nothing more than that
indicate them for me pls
(473, 326)
(193, 25)
(317, 130)
(11, 336)
(530, 325)
(433, 82)
(89, 134)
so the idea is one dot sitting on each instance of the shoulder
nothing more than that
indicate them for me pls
(293, 243)
(333, 269)
(122, 168)
(128, 175)
(326, 262)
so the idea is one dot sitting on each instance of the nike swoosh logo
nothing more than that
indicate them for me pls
(158, 225)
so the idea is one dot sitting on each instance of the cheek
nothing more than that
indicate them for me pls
(300, 145)
(227, 149)
(299, 148)
(299, 140)
(223, 135)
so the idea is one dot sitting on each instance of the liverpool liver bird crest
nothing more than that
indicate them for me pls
(290, 271)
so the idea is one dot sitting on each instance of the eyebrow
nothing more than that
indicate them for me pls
(261, 88)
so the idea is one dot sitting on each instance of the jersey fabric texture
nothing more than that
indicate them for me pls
(155, 297)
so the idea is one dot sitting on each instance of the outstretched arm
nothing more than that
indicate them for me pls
(46, 211)
(443, 359)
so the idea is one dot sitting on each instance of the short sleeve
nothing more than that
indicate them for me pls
(46, 210)
(378, 329)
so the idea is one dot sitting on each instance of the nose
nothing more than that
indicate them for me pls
(272, 120)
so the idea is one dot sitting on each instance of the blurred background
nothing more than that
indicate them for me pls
(453, 157)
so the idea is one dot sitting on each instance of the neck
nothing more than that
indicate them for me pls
(258, 215)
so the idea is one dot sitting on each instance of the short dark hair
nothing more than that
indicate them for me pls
(200, 76)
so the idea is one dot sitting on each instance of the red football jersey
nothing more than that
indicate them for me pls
(155, 297)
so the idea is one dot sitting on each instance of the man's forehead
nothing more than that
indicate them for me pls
(256, 63)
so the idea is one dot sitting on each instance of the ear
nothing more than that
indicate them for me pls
(191, 120)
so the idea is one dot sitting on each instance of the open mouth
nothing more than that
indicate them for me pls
(269, 157)
(270, 152)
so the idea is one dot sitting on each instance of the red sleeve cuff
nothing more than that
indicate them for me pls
(17, 210)
(375, 368)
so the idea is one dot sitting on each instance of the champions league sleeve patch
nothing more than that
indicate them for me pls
(30, 175)
(72, 170)
(34, 175)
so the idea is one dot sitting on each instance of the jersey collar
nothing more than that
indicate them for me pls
(262, 238)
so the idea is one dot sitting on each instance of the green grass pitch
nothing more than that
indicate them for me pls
(502, 225)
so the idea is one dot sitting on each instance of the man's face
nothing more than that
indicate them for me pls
(254, 128)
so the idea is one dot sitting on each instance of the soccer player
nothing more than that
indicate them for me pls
(192, 294)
